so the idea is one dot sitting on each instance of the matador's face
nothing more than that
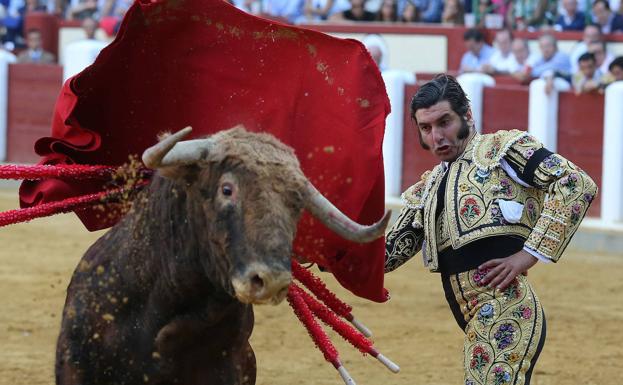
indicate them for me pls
(443, 131)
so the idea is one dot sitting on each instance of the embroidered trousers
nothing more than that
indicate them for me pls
(504, 330)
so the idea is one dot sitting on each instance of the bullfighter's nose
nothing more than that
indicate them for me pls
(261, 284)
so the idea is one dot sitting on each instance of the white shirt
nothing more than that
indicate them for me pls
(501, 63)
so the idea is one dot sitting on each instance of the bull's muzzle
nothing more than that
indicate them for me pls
(261, 284)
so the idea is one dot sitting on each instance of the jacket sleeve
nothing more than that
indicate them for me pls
(569, 193)
(406, 235)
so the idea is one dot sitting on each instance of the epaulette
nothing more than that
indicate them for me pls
(489, 149)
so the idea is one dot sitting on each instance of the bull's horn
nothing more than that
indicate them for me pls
(321, 208)
(170, 152)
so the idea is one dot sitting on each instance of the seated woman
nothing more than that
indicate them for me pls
(388, 11)
(453, 13)
(410, 13)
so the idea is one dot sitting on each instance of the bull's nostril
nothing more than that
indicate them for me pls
(257, 283)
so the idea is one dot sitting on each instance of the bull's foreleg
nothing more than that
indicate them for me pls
(193, 351)
(67, 373)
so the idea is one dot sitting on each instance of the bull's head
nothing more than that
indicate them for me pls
(250, 191)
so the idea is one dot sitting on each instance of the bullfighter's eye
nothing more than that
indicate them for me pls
(227, 189)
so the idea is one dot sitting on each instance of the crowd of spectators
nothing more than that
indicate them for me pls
(561, 15)
(108, 13)
(589, 68)
(508, 55)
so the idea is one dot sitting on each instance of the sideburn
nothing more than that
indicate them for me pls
(464, 131)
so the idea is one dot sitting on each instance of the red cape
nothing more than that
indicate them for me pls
(206, 64)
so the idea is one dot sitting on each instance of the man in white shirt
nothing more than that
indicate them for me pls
(592, 32)
(524, 60)
(603, 58)
(502, 61)
(478, 52)
(589, 77)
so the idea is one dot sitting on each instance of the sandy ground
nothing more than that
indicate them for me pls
(582, 296)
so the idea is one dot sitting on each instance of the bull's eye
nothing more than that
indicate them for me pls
(227, 189)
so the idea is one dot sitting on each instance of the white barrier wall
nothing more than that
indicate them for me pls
(473, 84)
(80, 54)
(395, 82)
(612, 166)
(411, 53)
(6, 58)
(543, 111)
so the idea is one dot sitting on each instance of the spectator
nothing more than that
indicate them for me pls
(33, 6)
(502, 7)
(410, 13)
(374, 5)
(588, 78)
(603, 58)
(388, 11)
(287, 9)
(592, 33)
(616, 69)
(532, 14)
(478, 52)
(484, 8)
(82, 9)
(429, 10)
(608, 21)
(502, 60)
(570, 19)
(357, 12)
(12, 19)
(453, 13)
(253, 7)
(82, 53)
(523, 59)
(35, 52)
(317, 10)
(118, 8)
(489, 14)
(552, 63)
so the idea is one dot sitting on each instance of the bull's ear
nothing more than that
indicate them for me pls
(187, 174)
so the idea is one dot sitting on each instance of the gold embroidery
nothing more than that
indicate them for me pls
(475, 183)
(503, 328)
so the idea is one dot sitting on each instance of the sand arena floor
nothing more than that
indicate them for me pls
(582, 296)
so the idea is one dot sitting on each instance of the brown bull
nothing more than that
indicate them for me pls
(165, 297)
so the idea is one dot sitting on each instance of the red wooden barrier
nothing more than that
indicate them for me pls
(415, 160)
(505, 107)
(580, 135)
(33, 89)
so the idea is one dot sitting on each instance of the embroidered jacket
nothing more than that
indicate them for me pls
(504, 184)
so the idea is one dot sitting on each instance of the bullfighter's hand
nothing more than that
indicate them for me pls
(503, 271)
